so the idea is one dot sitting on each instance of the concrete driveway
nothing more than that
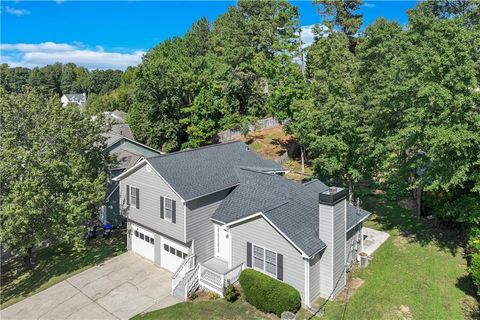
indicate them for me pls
(117, 289)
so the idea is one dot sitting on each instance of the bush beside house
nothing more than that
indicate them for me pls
(269, 295)
(475, 270)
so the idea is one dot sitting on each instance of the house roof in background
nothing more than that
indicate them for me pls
(76, 96)
(197, 172)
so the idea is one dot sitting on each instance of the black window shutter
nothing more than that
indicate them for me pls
(279, 266)
(128, 194)
(249, 254)
(138, 197)
(174, 211)
(162, 215)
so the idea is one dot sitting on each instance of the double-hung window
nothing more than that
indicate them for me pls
(134, 197)
(168, 208)
(265, 260)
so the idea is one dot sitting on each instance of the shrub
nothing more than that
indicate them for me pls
(213, 295)
(230, 293)
(475, 270)
(267, 294)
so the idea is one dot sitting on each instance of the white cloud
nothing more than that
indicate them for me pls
(16, 12)
(369, 5)
(41, 47)
(307, 35)
(32, 55)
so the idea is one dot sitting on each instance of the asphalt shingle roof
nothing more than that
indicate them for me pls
(197, 172)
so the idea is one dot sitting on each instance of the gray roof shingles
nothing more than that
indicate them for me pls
(292, 207)
(197, 172)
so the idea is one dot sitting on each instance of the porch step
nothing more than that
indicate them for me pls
(179, 291)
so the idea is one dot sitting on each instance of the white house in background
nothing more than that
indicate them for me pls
(78, 98)
(206, 214)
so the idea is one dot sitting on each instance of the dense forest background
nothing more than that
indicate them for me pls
(393, 105)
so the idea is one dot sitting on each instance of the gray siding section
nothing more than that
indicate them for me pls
(332, 232)
(151, 188)
(200, 227)
(260, 232)
(315, 276)
(326, 234)
(339, 274)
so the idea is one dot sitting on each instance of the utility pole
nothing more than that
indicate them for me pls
(303, 72)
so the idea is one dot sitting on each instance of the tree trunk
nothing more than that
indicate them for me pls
(418, 201)
(27, 259)
(350, 189)
(303, 158)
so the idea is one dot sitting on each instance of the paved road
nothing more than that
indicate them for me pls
(117, 289)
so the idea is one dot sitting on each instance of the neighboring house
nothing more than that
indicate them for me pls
(205, 214)
(127, 152)
(78, 98)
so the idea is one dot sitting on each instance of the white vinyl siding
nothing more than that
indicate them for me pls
(260, 233)
(152, 187)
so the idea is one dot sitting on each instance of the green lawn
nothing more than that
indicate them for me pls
(206, 310)
(52, 265)
(419, 273)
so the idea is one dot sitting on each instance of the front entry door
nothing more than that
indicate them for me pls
(222, 243)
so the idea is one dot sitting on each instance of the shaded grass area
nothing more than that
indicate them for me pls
(418, 273)
(206, 310)
(52, 265)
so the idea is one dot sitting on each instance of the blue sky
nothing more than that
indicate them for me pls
(114, 34)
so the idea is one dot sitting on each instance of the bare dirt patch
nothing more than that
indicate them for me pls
(408, 204)
(404, 312)
(348, 292)
(270, 143)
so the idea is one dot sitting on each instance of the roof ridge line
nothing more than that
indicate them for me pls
(198, 148)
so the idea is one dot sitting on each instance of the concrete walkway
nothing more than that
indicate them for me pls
(117, 289)
(373, 239)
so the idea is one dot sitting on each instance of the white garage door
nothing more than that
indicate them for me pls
(143, 242)
(172, 255)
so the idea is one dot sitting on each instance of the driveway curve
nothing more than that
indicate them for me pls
(116, 289)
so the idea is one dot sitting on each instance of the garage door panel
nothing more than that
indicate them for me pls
(143, 242)
(172, 254)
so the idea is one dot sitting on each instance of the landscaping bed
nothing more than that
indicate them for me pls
(54, 264)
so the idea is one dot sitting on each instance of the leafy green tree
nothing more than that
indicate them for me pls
(13, 79)
(341, 16)
(329, 124)
(52, 173)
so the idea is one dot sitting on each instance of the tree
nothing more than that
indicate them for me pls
(52, 173)
(329, 123)
(339, 16)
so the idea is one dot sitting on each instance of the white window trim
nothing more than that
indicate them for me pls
(130, 196)
(165, 209)
(264, 270)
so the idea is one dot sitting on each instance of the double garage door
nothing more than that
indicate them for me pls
(145, 244)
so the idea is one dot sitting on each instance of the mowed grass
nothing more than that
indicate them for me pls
(52, 265)
(418, 273)
(206, 310)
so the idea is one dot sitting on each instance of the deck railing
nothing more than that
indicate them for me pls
(216, 281)
(188, 264)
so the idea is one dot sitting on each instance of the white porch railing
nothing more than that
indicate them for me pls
(216, 281)
(188, 264)
(192, 282)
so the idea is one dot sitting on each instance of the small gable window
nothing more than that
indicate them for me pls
(168, 209)
(133, 196)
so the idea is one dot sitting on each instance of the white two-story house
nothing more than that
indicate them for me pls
(206, 214)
